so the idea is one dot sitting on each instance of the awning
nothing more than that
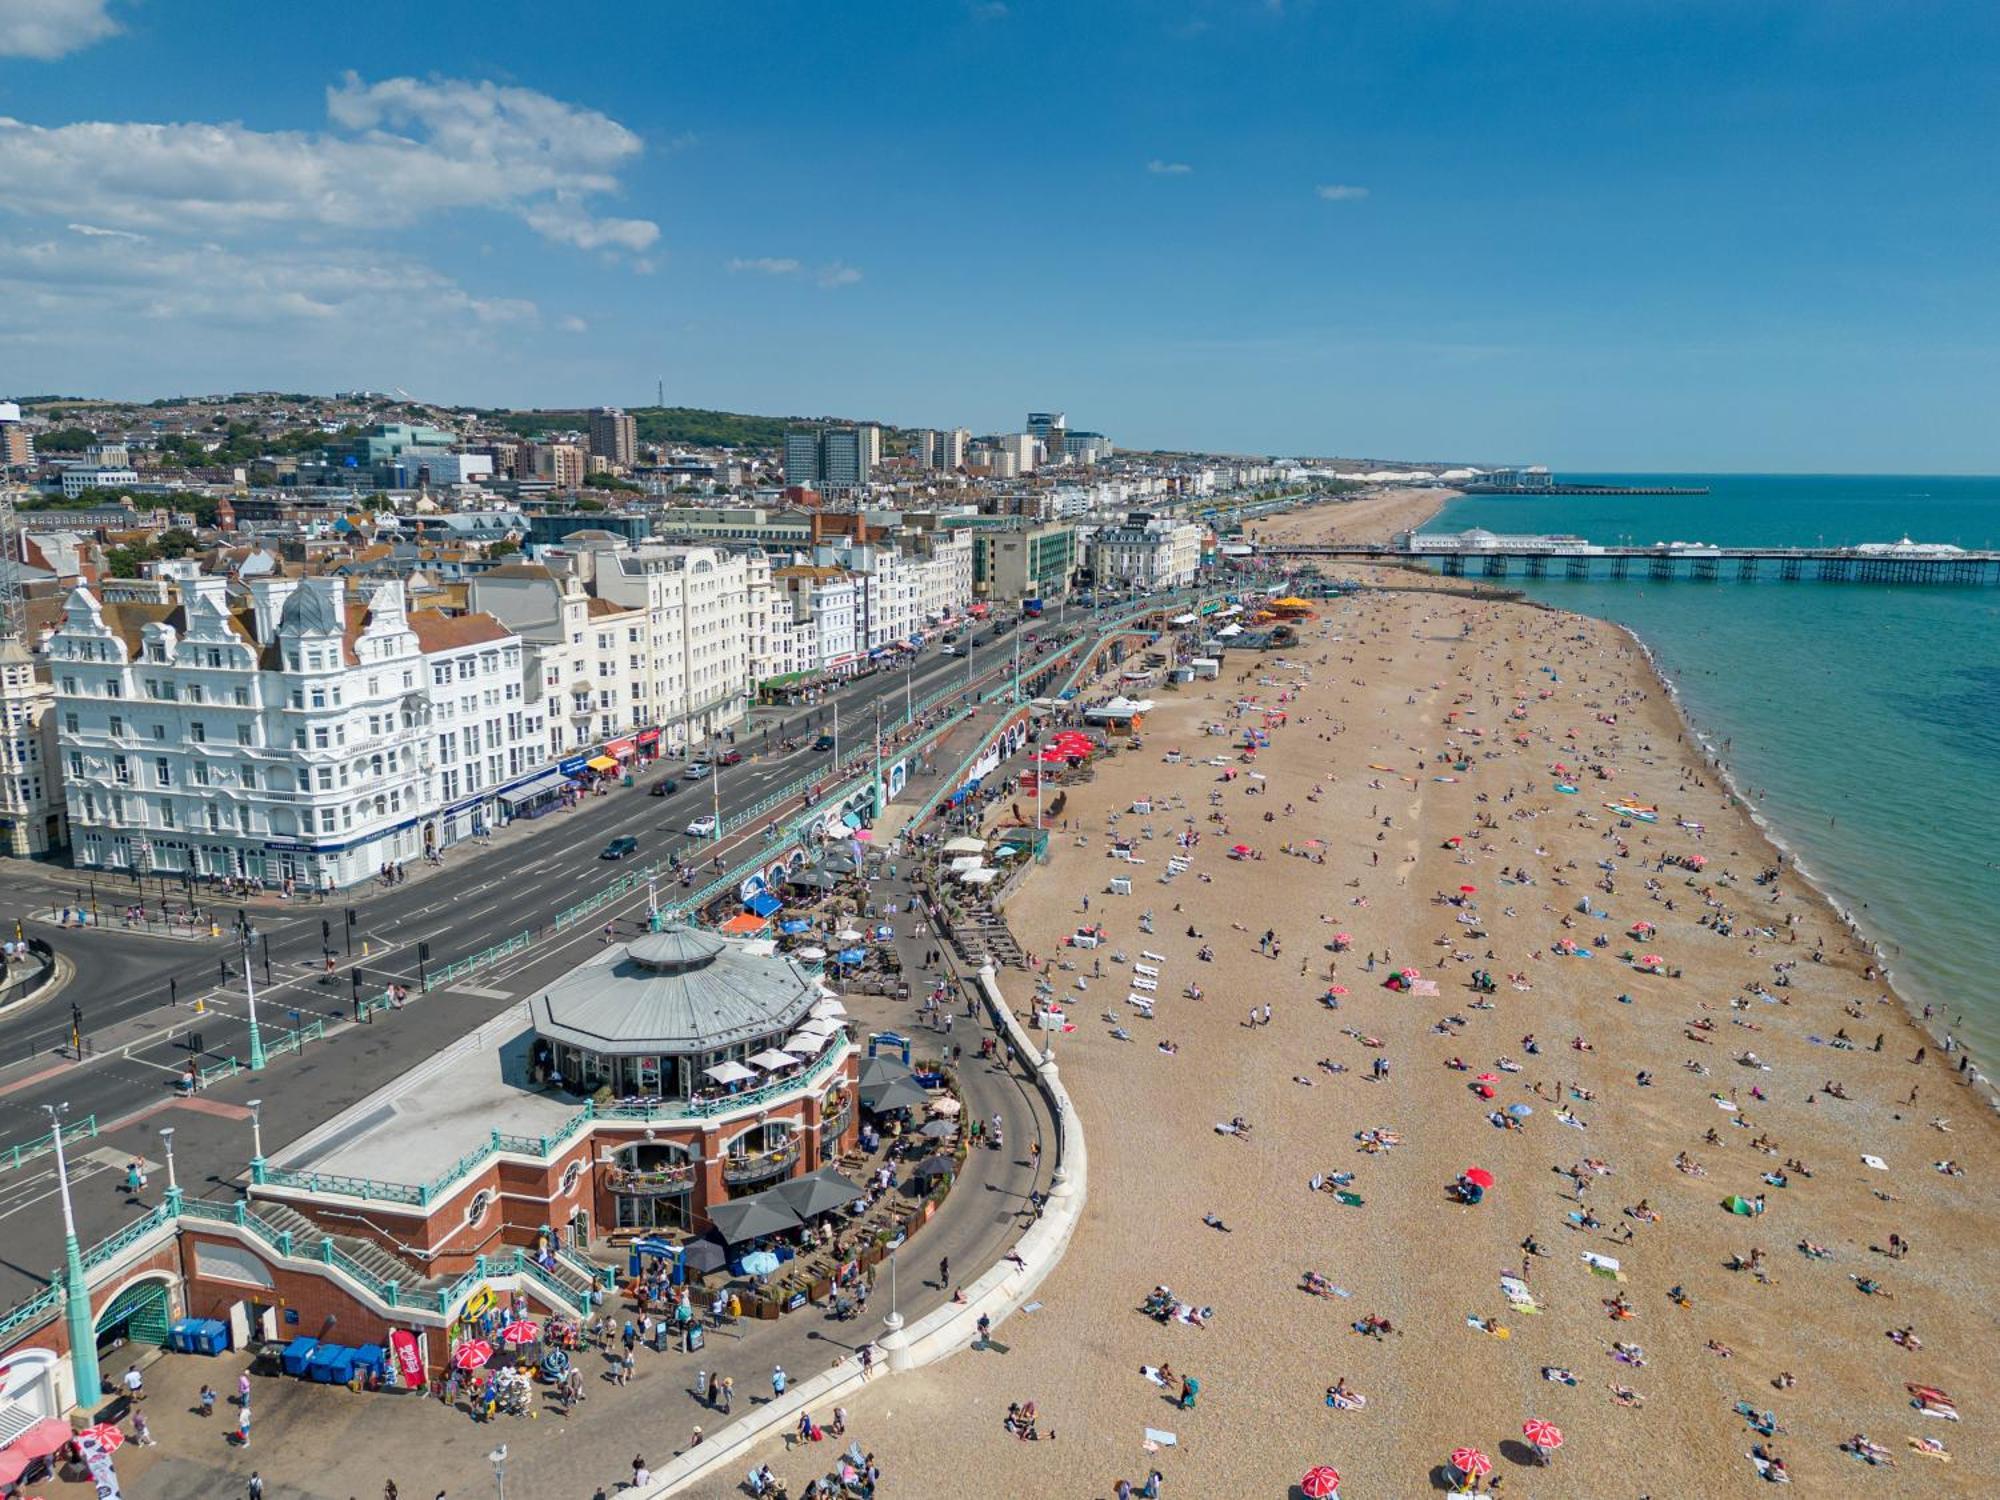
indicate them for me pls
(602, 763)
(771, 1059)
(620, 749)
(852, 820)
(762, 905)
(815, 1193)
(728, 1072)
(648, 737)
(546, 784)
(39, 1441)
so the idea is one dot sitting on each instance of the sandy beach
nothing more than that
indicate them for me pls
(1427, 742)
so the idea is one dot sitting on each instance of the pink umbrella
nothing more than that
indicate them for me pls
(108, 1435)
(1336, 989)
(1471, 1461)
(1542, 1432)
(522, 1332)
(472, 1354)
(1320, 1482)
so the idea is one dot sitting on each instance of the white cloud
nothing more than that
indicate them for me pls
(767, 265)
(47, 285)
(403, 148)
(838, 274)
(48, 29)
(571, 323)
(99, 232)
(1340, 192)
(1168, 168)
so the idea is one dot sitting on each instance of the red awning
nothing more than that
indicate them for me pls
(620, 749)
(648, 738)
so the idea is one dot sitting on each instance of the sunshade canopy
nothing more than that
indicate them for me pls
(747, 1218)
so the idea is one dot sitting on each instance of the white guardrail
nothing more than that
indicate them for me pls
(997, 1294)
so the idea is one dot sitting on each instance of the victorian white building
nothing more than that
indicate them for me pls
(1147, 552)
(311, 735)
(698, 636)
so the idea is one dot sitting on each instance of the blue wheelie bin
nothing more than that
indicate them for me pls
(332, 1364)
(298, 1354)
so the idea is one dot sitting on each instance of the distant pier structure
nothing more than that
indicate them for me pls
(1489, 554)
(1536, 480)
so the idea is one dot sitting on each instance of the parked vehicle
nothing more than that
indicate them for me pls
(697, 771)
(730, 758)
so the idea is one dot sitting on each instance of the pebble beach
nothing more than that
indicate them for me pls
(1455, 787)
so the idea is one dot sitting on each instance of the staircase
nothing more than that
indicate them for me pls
(308, 1237)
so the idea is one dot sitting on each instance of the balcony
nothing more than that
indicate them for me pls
(664, 1182)
(760, 1166)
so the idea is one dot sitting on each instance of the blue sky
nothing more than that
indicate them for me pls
(1599, 234)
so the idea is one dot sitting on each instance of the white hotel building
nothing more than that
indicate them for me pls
(313, 735)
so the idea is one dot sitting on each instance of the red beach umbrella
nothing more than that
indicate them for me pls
(1336, 989)
(107, 1435)
(1468, 890)
(522, 1332)
(1471, 1461)
(1542, 1432)
(472, 1354)
(1478, 1177)
(1319, 1483)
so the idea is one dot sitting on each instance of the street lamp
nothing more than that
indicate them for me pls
(498, 1458)
(173, 1184)
(250, 992)
(76, 1294)
(256, 1107)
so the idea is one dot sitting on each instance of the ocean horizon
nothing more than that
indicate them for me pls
(1860, 721)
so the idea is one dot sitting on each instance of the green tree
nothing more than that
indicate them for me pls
(176, 543)
(612, 482)
(589, 502)
(65, 440)
(125, 562)
(505, 547)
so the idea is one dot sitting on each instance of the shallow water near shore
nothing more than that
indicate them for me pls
(1862, 720)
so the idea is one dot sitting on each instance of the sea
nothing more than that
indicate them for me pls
(1861, 721)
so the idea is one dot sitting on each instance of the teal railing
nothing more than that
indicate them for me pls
(229, 1067)
(84, 1129)
(131, 1234)
(32, 1313)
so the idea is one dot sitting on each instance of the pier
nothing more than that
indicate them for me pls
(1486, 555)
(1480, 487)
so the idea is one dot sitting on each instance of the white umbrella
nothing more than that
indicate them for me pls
(964, 845)
(945, 1106)
(967, 862)
(979, 877)
(824, 1025)
(847, 935)
(812, 955)
(771, 1059)
(827, 1007)
(729, 1072)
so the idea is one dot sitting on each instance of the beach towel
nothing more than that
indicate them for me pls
(1603, 1265)
(1158, 1439)
(1876, 1162)
(1351, 1402)
(1152, 1374)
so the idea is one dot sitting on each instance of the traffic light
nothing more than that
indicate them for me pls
(325, 932)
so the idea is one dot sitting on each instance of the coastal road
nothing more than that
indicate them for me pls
(478, 897)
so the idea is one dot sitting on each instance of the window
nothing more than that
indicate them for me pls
(201, 773)
(242, 734)
(123, 768)
(69, 724)
(214, 657)
(198, 733)
(305, 781)
(243, 697)
(326, 778)
(162, 772)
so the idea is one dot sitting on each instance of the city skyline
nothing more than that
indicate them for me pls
(1676, 239)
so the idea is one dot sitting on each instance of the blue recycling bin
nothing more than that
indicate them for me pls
(181, 1336)
(331, 1364)
(211, 1336)
(371, 1359)
(298, 1354)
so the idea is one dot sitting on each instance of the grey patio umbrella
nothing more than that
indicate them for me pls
(894, 1093)
(703, 1256)
(839, 864)
(936, 1166)
(880, 1069)
(937, 1130)
(815, 1193)
(817, 880)
(745, 1219)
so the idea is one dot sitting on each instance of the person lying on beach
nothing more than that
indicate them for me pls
(1215, 1223)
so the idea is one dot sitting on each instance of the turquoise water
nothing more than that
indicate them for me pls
(1864, 719)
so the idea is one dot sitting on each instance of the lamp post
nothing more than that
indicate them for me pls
(498, 1458)
(76, 1294)
(173, 1183)
(250, 992)
(256, 1107)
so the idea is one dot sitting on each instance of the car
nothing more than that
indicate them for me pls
(950, 651)
(620, 847)
(730, 758)
(664, 788)
(823, 743)
(697, 771)
(702, 827)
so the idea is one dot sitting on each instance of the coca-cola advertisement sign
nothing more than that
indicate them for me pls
(409, 1362)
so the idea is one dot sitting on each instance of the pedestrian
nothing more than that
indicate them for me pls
(243, 1389)
(778, 1378)
(256, 1485)
(625, 1368)
(141, 1433)
(135, 1383)
(728, 1393)
(641, 1475)
(243, 1425)
(135, 1177)
(704, 1387)
(207, 1400)
(944, 1270)
(389, 1490)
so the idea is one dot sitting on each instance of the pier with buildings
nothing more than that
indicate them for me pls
(1488, 554)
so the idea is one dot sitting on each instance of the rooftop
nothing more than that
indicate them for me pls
(675, 992)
